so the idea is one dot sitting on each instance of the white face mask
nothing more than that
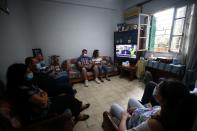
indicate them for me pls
(29, 76)
(85, 54)
(155, 91)
(42, 63)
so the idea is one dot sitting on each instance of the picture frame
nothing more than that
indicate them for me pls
(36, 51)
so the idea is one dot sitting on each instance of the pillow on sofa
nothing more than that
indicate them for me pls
(73, 66)
(74, 72)
(108, 60)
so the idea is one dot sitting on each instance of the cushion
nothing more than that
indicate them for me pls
(74, 74)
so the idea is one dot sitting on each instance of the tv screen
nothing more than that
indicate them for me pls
(127, 51)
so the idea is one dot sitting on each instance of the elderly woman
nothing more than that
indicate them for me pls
(97, 60)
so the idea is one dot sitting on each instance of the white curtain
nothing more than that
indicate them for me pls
(187, 34)
(191, 59)
(189, 50)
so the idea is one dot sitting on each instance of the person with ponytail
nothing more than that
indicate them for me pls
(177, 110)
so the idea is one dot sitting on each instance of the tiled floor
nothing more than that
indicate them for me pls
(101, 96)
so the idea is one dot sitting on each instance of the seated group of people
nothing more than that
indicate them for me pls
(35, 94)
(95, 64)
(167, 106)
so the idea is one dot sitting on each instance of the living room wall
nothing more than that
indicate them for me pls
(62, 27)
(65, 27)
(15, 42)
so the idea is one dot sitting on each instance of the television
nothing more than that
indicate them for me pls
(126, 51)
(4, 6)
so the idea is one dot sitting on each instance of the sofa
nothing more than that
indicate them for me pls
(108, 122)
(52, 122)
(70, 65)
(56, 123)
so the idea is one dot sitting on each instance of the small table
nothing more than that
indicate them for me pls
(130, 69)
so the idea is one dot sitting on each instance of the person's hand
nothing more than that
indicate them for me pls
(80, 64)
(40, 98)
(131, 110)
(125, 115)
(44, 95)
(89, 66)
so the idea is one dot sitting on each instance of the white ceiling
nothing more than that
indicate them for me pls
(130, 3)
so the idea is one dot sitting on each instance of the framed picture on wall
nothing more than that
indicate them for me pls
(36, 51)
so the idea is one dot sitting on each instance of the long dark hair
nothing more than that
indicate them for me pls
(179, 106)
(95, 54)
(15, 75)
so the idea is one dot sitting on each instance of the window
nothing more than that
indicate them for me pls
(177, 34)
(168, 32)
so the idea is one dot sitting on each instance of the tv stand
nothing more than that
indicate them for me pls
(128, 69)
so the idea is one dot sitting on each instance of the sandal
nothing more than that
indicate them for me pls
(108, 79)
(83, 107)
(82, 117)
(101, 80)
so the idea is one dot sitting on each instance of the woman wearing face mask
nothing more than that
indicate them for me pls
(97, 60)
(32, 102)
(174, 112)
(46, 82)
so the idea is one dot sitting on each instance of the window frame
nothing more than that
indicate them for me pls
(172, 28)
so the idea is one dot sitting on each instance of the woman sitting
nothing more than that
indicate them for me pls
(97, 60)
(177, 110)
(31, 102)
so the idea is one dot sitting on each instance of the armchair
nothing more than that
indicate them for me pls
(58, 123)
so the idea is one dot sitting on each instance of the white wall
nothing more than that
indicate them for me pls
(65, 27)
(62, 27)
(14, 36)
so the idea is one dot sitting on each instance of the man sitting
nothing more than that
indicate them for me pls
(85, 64)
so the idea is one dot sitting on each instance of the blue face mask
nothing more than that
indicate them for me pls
(29, 76)
(38, 66)
(42, 63)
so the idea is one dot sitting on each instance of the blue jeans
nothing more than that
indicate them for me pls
(103, 68)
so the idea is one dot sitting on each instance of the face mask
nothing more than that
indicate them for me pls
(29, 76)
(38, 66)
(85, 54)
(42, 63)
(155, 91)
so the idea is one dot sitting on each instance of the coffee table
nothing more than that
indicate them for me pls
(128, 69)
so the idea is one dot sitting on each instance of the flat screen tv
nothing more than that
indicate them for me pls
(126, 51)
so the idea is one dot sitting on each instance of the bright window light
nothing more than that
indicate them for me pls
(164, 20)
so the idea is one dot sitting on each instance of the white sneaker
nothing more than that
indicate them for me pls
(97, 81)
(86, 83)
